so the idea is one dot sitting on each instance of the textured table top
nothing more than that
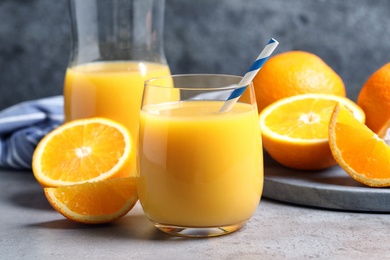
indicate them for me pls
(31, 229)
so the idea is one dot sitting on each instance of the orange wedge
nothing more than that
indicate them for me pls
(295, 129)
(358, 150)
(84, 150)
(95, 202)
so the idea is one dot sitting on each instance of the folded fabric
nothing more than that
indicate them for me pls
(23, 125)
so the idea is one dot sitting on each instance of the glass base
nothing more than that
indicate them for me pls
(198, 231)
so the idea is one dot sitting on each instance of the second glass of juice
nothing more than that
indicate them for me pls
(200, 171)
(116, 46)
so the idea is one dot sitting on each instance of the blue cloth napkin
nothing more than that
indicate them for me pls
(23, 125)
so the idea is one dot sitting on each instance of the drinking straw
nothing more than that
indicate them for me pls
(248, 77)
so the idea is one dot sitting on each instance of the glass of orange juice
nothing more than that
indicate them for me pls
(200, 171)
(116, 46)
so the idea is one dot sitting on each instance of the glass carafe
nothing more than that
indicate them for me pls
(116, 46)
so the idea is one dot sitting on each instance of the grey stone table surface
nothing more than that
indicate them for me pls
(31, 229)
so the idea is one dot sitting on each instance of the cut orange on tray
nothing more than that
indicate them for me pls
(358, 150)
(295, 129)
(94, 202)
(83, 150)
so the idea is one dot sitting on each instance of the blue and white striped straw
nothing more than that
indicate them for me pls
(248, 77)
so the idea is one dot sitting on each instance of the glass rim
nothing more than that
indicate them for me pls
(148, 82)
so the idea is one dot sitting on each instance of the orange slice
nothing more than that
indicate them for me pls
(358, 150)
(95, 202)
(295, 129)
(83, 150)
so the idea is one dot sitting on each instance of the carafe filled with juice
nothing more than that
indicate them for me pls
(116, 46)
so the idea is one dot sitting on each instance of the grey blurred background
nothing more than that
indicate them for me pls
(202, 36)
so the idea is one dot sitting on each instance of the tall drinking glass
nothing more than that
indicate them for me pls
(200, 171)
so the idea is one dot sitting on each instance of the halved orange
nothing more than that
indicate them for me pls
(84, 150)
(358, 150)
(295, 129)
(94, 202)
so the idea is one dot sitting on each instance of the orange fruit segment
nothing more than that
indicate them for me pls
(294, 73)
(83, 150)
(374, 98)
(295, 129)
(94, 202)
(358, 150)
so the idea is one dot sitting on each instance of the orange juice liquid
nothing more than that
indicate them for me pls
(109, 89)
(199, 168)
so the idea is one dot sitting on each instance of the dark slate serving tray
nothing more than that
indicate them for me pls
(332, 188)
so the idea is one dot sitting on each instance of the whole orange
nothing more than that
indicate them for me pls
(292, 73)
(374, 98)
